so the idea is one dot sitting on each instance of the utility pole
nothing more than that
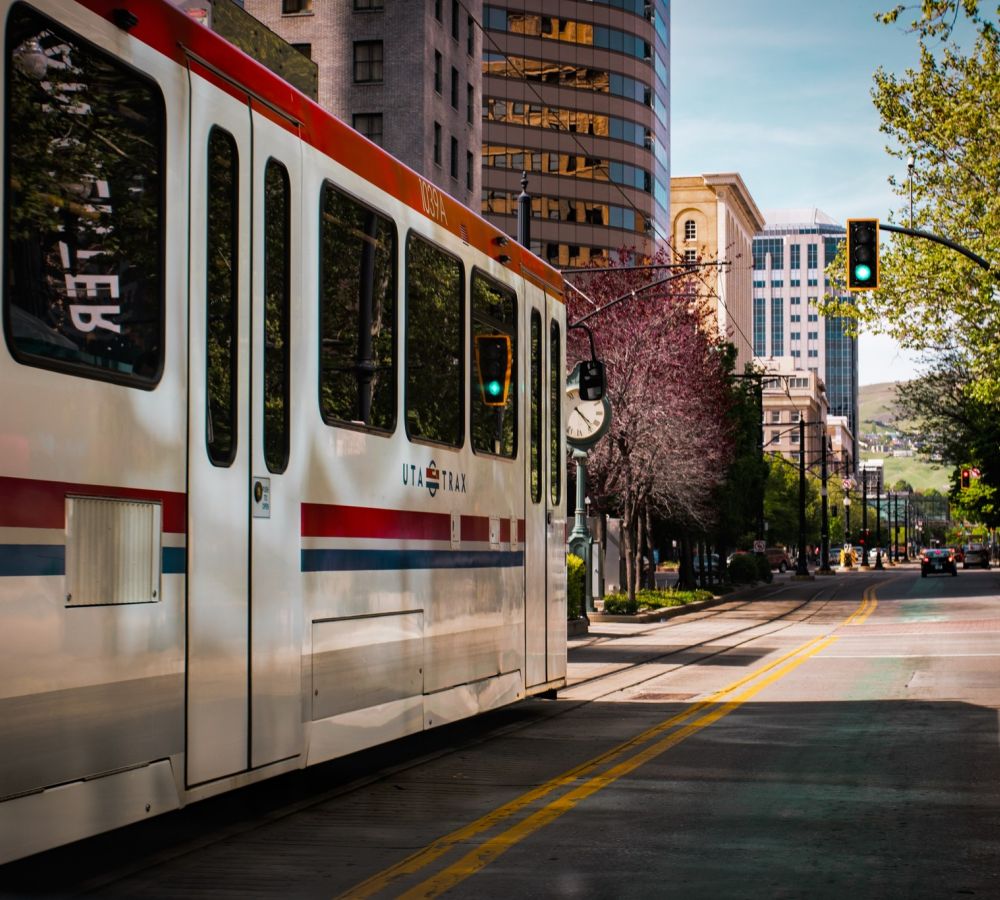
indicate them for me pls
(864, 517)
(824, 539)
(878, 519)
(800, 567)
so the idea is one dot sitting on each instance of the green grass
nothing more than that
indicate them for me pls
(878, 401)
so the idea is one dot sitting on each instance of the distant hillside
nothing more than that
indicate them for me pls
(879, 415)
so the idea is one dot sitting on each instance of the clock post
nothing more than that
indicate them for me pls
(579, 536)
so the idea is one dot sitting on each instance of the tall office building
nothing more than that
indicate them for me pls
(576, 94)
(405, 73)
(790, 255)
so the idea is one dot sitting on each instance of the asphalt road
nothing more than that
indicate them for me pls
(828, 738)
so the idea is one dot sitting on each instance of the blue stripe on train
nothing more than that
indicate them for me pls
(386, 560)
(50, 559)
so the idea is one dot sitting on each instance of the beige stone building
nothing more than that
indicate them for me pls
(792, 395)
(841, 458)
(714, 219)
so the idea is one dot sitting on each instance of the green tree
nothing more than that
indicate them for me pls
(943, 113)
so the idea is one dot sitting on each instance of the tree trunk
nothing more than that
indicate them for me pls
(685, 570)
(640, 546)
(651, 583)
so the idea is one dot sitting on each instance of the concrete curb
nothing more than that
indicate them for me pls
(659, 615)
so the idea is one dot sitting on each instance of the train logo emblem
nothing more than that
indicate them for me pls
(431, 478)
(434, 479)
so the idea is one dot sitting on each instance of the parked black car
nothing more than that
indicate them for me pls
(976, 555)
(937, 561)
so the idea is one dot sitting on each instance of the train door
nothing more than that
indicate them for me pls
(244, 646)
(275, 524)
(555, 589)
(219, 453)
(535, 506)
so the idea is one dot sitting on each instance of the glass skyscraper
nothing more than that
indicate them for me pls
(577, 95)
(787, 322)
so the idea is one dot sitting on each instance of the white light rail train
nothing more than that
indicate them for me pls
(257, 510)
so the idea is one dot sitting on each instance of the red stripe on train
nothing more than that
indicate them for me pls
(32, 503)
(327, 520)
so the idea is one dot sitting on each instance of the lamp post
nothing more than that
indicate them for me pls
(864, 517)
(906, 524)
(800, 566)
(847, 520)
(909, 169)
(579, 537)
(878, 519)
(824, 538)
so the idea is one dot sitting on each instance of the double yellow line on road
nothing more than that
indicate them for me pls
(613, 764)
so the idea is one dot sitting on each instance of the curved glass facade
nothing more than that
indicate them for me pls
(577, 96)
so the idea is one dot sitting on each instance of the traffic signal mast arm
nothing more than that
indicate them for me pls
(913, 232)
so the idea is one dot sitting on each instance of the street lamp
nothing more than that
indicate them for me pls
(847, 519)
(864, 517)
(909, 169)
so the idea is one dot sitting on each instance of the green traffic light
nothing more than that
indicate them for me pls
(494, 388)
(862, 272)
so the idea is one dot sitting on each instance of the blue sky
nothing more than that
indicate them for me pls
(780, 91)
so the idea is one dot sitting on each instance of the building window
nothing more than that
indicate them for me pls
(454, 158)
(305, 49)
(470, 38)
(795, 335)
(369, 4)
(437, 143)
(469, 170)
(367, 61)
(795, 252)
(690, 257)
(690, 230)
(291, 7)
(775, 437)
(470, 103)
(438, 62)
(454, 19)
(811, 253)
(454, 88)
(437, 10)
(370, 125)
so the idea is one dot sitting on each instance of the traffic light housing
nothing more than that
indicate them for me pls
(862, 254)
(966, 478)
(493, 365)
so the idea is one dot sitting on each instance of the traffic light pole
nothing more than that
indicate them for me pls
(801, 568)
(864, 518)
(926, 235)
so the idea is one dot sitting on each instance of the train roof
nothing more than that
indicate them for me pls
(178, 36)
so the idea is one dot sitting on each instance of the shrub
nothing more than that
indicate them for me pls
(619, 605)
(743, 569)
(763, 568)
(576, 586)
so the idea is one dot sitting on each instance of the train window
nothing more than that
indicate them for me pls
(84, 207)
(555, 414)
(535, 439)
(357, 260)
(277, 312)
(221, 294)
(494, 311)
(434, 344)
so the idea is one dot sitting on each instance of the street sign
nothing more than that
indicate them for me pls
(758, 546)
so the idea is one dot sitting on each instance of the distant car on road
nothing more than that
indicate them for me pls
(777, 558)
(937, 561)
(712, 567)
(976, 555)
(958, 553)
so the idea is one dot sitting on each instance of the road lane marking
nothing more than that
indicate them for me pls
(442, 845)
(482, 856)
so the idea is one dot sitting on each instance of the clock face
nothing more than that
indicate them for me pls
(585, 419)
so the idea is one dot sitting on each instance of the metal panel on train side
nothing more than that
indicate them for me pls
(218, 491)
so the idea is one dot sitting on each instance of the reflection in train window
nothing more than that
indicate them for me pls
(357, 379)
